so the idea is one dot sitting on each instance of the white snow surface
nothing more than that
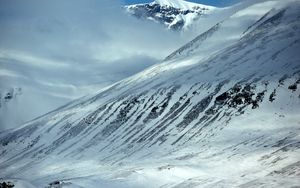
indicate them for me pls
(51, 56)
(227, 119)
(181, 4)
(187, 19)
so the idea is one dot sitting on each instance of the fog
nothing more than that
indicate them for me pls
(59, 50)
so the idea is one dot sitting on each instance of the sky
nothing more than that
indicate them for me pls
(60, 50)
(218, 3)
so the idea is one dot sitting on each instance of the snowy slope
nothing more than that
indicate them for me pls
(227, 120)
(50, 56)
(181, 4)
(174, 14)
(31, 87)
(226, 32)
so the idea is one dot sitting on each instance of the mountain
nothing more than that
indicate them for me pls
(47, 58)
(174, 14)
(228, 119)
(30, 87)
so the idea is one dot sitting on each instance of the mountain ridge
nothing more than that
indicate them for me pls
(176, 14)
(182, 122)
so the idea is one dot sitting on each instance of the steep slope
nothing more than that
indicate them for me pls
(229, 120)
(31, 87)
(50, 56)
(174, 14)
(226, 32)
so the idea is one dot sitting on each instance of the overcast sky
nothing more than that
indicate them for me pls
(60, 50)
(85, 33)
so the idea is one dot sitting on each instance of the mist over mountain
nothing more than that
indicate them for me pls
(221, 110)
(52, 52)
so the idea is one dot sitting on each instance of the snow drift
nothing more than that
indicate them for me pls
(229, 119)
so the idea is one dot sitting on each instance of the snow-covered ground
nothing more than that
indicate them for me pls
(228, 119)
(178, 15)
(37, 86)
(181, 4)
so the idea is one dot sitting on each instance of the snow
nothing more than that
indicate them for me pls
(181, 4)
(172, 13)
(18, 183)
(230, 25)
(58, 55)
(166, 127)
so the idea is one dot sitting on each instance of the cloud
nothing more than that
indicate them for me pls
(76, 29)
(59, 50)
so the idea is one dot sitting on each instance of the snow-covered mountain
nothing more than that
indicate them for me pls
(50, 56)
(174, 14)
(228, 119)
(31, 87)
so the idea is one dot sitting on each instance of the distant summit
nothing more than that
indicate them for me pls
(174, 14)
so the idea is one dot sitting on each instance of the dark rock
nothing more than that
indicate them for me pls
(56, 184)
(154, 109)
(6, 184)
(237, 88)
(8, 96)
(272, 96)
(247, 88)
(238, 97)
(164, 14)
(254, 105)
(293, 87)
(238, 100)
(222, 98)
(281, 80)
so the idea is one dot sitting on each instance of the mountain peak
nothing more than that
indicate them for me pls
(171, 3)
(175, 14)
(181, 4)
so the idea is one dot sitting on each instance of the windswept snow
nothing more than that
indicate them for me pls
(229, 119)
(181, 4)
(175, 14)
(234, 24)
(50, 56)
